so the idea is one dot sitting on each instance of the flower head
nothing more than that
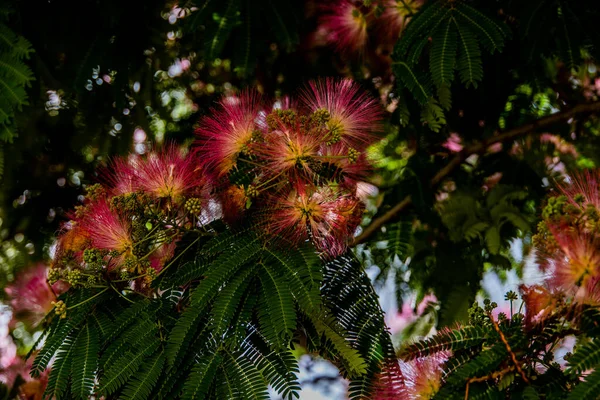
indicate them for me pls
(577, 261)
(392, 21)
(107, 229)
(171, 174)
(31, 296)
(121, 176)
(540, 302)
(344, 164)
(316, 213)
(346, 26)
(291, 152)
(233, 201)
(353, 115)
(583, 190)
(423, 375)
(227, 132)
(72, 241)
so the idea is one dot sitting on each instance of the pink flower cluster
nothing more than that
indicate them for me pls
(301, 160)
(294, 169)
(568, 247)
(349, 25)
(30, 298)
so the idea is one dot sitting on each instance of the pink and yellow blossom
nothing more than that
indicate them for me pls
(346, 26)
(227, 131)
(354, 115)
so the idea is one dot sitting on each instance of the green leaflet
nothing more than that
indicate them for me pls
(587, 356)
(588, 389)
(452, 32)
(15, 76)
(61, 369)
(85, 360)
(141, 385)
(455, 339)
(125, 366)
(277, 315)
(203, 373)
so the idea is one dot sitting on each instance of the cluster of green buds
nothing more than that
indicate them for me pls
(94, 258)
(193, 205)
(353, 155)
(135, 265)
(74, 277)
(320, 116)
(252, 191)
(60, 308)
(54, 275)
(150, 275)
(556, 208)
(134, 203)
(287, 117)
(335, 134)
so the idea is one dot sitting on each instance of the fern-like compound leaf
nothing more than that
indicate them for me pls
(199, 381)
(85, 361)
(61, 369)
(414, 81)
(126, 366)
(449, 339)
(586, 357)
(140, 386)
(277, 314)
(588, 389)
(443, 53)
(468, 63)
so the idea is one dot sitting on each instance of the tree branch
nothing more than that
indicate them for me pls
(477, 148)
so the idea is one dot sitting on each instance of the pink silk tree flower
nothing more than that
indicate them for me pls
(169, 173)
(423, 376)
(583, 190)
(31, 296)
(107, 229)
(349, 165)
(226, 132)
(453, 143)
(289, 153)
(346, 27)
(121, 176)
(354, 115)
(308, 212)
(576, 264)
(394, 18)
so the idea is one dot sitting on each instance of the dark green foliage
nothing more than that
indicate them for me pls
(141, 385)
(452, 32)
(85, 360)
(228, 333)
(350, 296)
(15, 77)
(61, 369)
(468, 218)
(509, 358)
(587, 390)
(454, 339)
(238, 23)
(585, 358)
(200, 379)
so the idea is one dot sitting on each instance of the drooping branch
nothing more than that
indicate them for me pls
(477, 148)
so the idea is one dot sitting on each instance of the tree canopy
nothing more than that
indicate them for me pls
(195, 194)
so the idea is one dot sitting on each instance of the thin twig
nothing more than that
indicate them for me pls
(476, 148)
(487, 377)
(513, 357)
